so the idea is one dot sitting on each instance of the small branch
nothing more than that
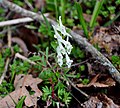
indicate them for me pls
(5, 70)
(76, 64)
(17, 55)
(15, 21)
(50, 66)
(18, 21)
(9, 37)
(79, 39)
(30, 6)
(83, 93)
(8, 59)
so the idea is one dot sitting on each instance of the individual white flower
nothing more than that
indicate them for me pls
(69, 48)
(68, 61)
(61, 48)
(62, 28)
(68, 45)
(59, 52)
(57, 35)
(59, 57)
(60, 62)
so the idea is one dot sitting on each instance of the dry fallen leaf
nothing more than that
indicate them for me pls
(100, 101)
(106, 40)
(21, 83)
(91, 103)
(107, 102)
(107, 83)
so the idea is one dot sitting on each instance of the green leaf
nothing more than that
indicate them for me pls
(115, 59)
(43, 60)
(35, 58)
(56, 8)
(85, 81)
(96, 11)
(82, 68)
(48, 25)
(31, 27)
(54, 45)
(81, 18)
(46, 92)
(20, 103)
(47, 51)
(114, 19)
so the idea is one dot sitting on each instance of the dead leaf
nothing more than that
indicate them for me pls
(108, 103)
(95, 78)
(107, 83)
(20, 83)
(97, 84)
(106, 40)
(92, 103)
(100, 101)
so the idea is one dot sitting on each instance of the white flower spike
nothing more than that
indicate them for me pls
(64, 46)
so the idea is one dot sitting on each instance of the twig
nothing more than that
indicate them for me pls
(15, 21)
(17, 55)
(76, 64)
(83, 93)
(79, 39)
(9, 37)
(8, 59)
(30, 6)
(5, 70)
(18, 21)
(50, 66)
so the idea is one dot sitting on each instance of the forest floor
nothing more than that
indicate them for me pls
(59, 54)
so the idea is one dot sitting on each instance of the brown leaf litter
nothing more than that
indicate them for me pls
(106, 38)
(100, 101)
(108, 82)
(21, 83)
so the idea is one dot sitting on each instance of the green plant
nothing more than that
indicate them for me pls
(117, 2)
(18, 2)
(1, 12)
(46, 93)
(2, 63)
(6, 88)
(64, 96)
(56, 9)
(82, 68)
(85, 81)
(62, 10)
(18, 67)
(59, 6)
(53, 80)
(81, 18)
(6, 52)
(116, 60)
(77, 53)
(96, 11)
(20, 102)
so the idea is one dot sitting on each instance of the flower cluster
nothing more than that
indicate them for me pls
(64, 46)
